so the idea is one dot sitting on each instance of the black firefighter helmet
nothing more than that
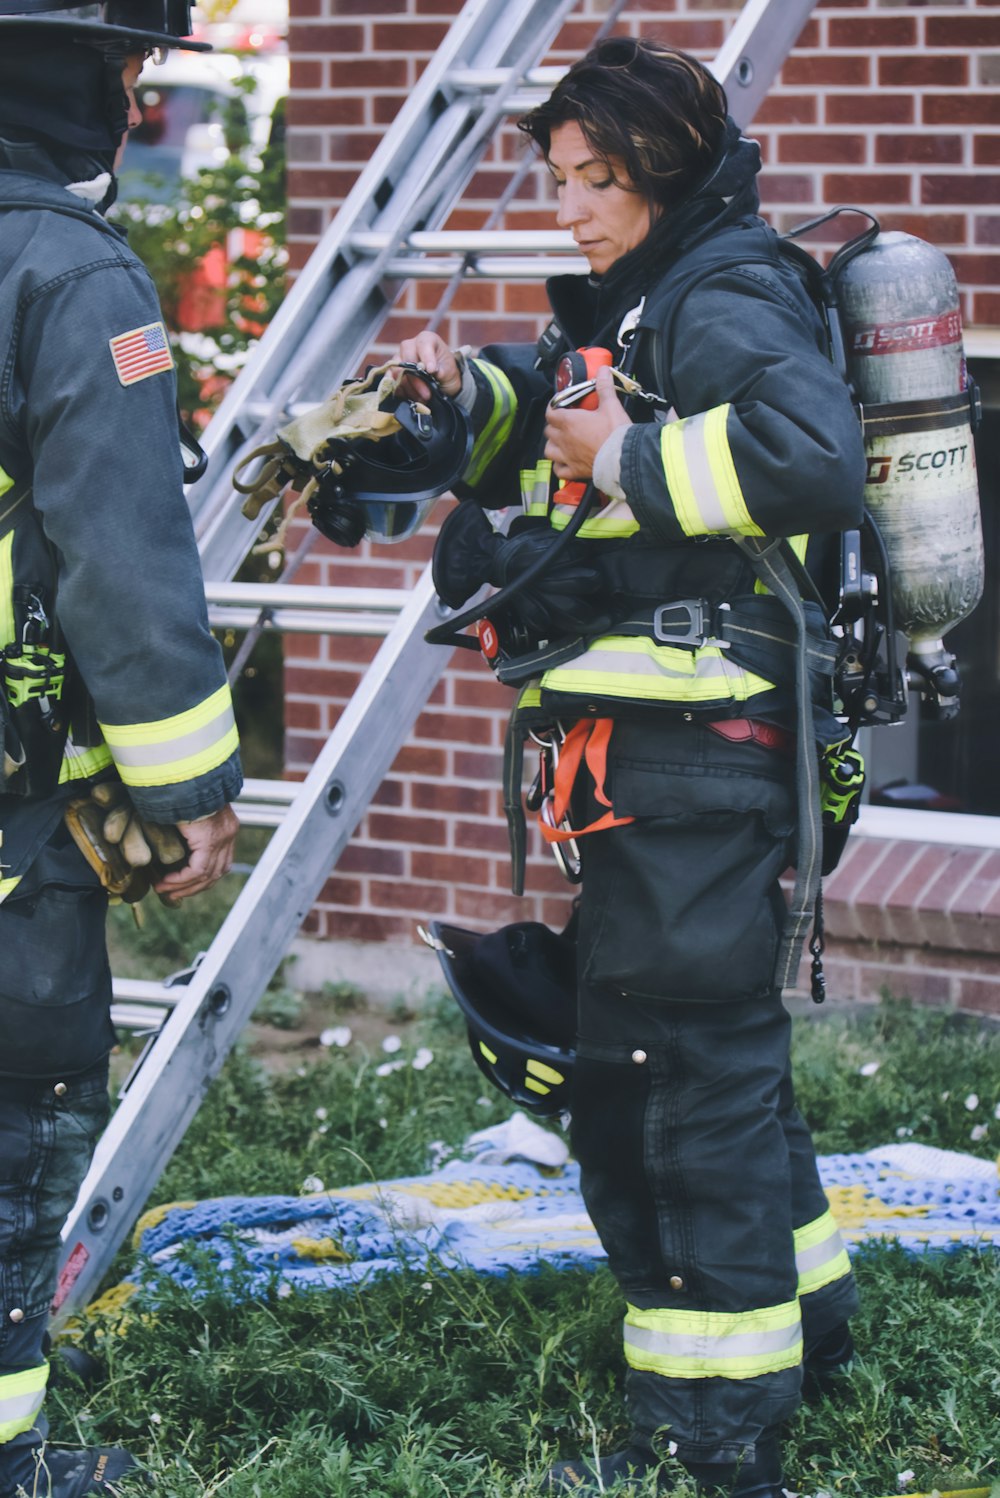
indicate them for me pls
(136, 23)
(384, 488)
(516, 988)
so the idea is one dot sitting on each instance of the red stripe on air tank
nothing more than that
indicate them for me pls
(907, 337)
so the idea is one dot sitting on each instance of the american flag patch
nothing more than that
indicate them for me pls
(141, 353)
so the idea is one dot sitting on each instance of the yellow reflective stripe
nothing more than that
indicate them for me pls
(79, 764)
(530, 696)
(614, 520)
(499, 426)
(487, 1052)
(536, 484)
(6, 482)
(820, 1255)
(714, 1344)
(633, 667)
(173, 749)
(6, 589)
(7, 885)
(546, 1073)
(21, 1397)
(701, 476)
(533, 1086)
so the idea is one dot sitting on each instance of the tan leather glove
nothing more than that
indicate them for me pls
(128, 853)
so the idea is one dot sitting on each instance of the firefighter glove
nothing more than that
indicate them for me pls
(464, 554)
(561, 598)
(128, 853)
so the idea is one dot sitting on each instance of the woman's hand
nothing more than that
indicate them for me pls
(573, 437)
(434, 355)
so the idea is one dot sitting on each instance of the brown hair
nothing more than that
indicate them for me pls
(657, 110)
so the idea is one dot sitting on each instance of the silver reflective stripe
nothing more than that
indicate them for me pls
(820, 1253)
(701, 477)
(707, 1344)
(183, 746)
(708, 1349)
(21, 1397)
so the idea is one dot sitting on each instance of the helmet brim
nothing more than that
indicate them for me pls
(530, 1072)
(73, 26)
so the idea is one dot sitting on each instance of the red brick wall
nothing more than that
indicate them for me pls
(890, 104)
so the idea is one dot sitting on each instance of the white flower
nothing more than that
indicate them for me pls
(336, 1035)
(320, 1113)
(422, 1059)
(484, 1102)
(391, 1043)
(869, 1069)
(996, 1111)
(312, 1184)
(903, 1132)
(945, 1096)
(905, 1478)
(671, 1448)
(156, 1418)
(388, 1067)
(972, 1102)
(284, 1290)
(383, 1123)
(977, 1132)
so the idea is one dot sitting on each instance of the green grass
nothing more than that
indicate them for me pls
(437, 1382)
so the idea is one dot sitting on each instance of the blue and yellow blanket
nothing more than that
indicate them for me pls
(500, 1215)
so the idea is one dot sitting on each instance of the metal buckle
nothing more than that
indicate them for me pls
(692, 626)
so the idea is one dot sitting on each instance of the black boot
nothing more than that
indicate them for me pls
(826, 1362)
(590, 1476)
(76, 1472)
(760, 1478)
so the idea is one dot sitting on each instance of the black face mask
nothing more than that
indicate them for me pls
(67, 96)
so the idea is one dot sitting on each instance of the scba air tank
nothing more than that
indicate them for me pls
(902, 325)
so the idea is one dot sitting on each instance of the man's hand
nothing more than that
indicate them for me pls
(574, 437)
(210, 840)
(433, 354)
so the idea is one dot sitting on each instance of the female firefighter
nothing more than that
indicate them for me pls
(649, 627)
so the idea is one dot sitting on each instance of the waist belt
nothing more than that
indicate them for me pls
(690, 623)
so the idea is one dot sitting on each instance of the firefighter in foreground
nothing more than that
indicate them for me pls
(648, 636)
(115, 704)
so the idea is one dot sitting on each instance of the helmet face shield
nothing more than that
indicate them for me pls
(142, 24)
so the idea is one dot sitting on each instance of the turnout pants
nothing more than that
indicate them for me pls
(697, 1169)
(55, 1034)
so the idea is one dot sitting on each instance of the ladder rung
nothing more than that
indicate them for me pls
(487, 80)
(509, 241)
(293, 622)
(306, 610)
(137, 1018)
(386, 601)
(487, 268)
(145, 991)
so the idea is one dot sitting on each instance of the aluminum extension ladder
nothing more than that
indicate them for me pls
(386, 232)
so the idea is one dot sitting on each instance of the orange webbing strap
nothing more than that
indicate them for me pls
(587, 741)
